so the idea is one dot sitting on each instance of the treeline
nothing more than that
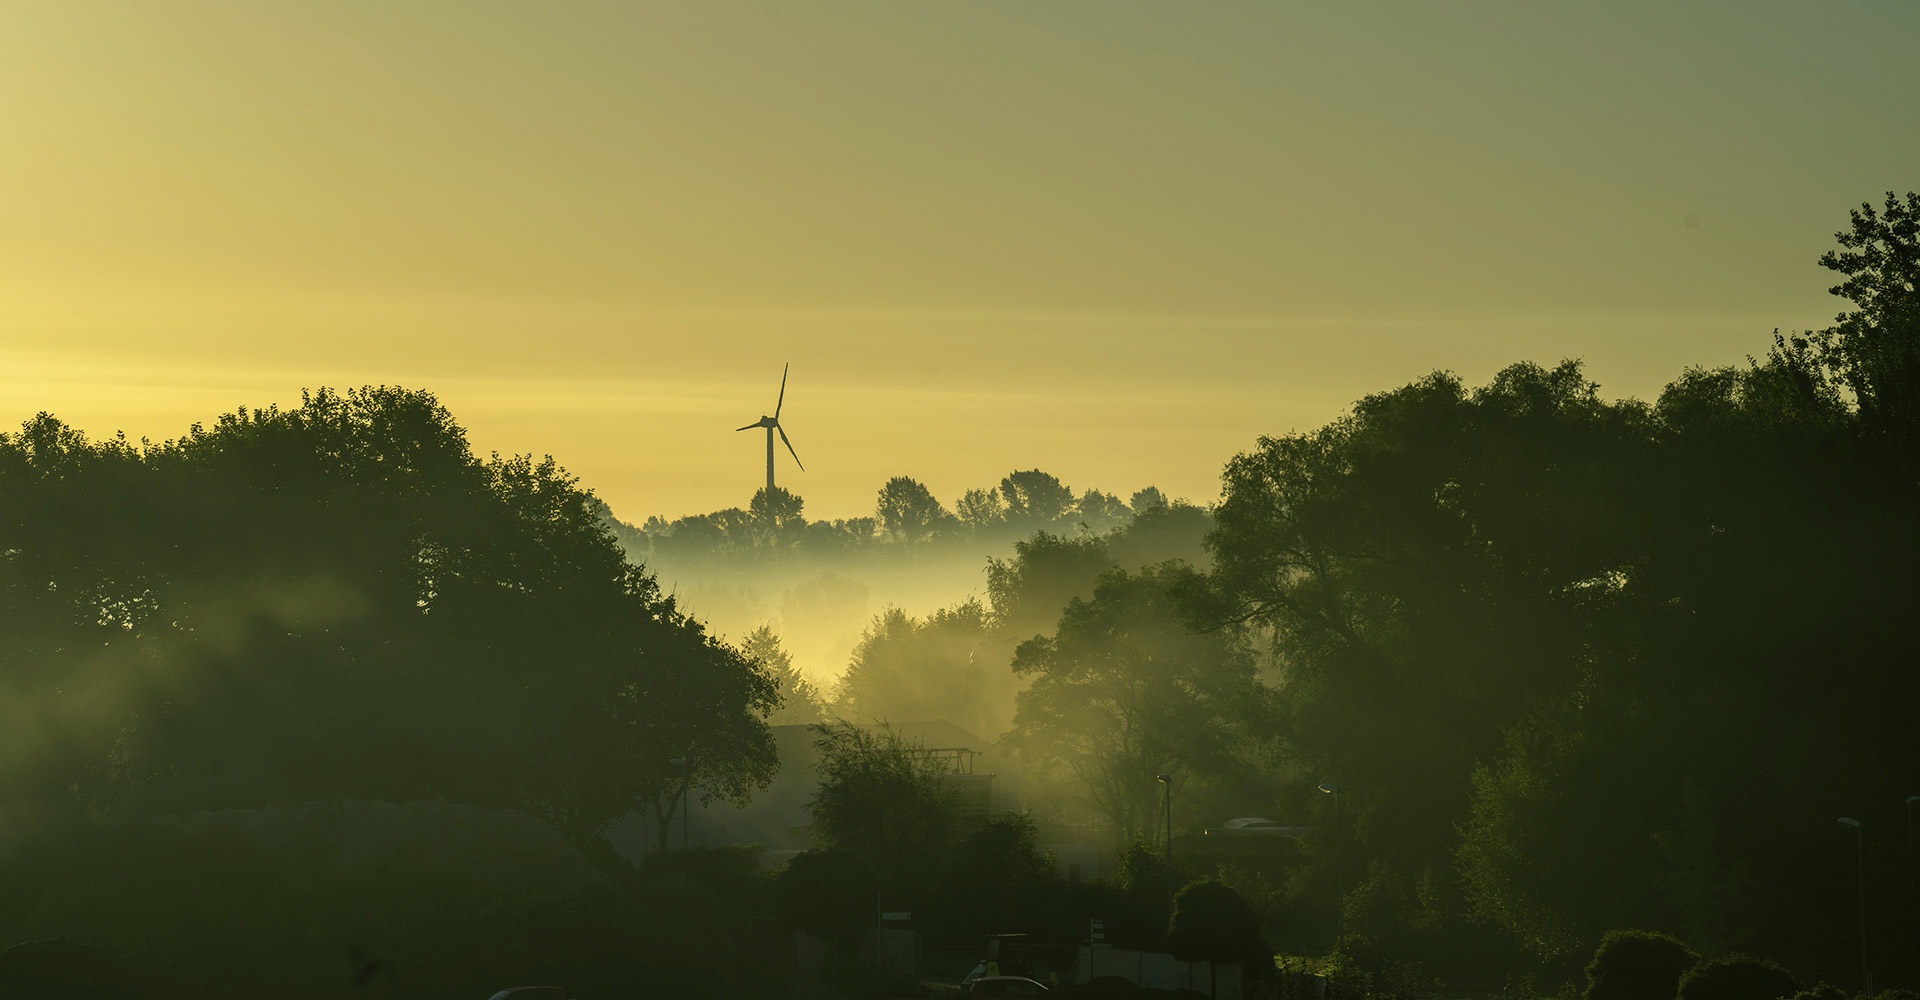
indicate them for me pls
(907, 521)
(956, 663)
(838, 609)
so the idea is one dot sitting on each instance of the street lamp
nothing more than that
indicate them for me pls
(1339, 875)
(1166, 811)
(1913, 872)
(1860, 844)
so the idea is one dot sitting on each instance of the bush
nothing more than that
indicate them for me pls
(1737, 977)
(828, 891)
(996, 880)
(1638, 965)
(1212, 923)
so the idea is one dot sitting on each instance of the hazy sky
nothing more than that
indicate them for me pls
(1113, 240)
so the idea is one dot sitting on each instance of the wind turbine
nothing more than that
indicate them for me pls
(772, 424)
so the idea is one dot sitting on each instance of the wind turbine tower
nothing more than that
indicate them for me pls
(772, 424)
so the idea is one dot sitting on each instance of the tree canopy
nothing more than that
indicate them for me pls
(1124, 690)
(341, 600)
(1580, 663)
(885, 800)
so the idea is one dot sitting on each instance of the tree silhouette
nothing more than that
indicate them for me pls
(1101, 512)
(1035, 498)
(800, 701)
(941, 666)
(1029, 590)
(981, 509)
(909, 512)
(1632, 964)
(1878, 342)
(884, 800)
(1124, 691)
(1146, 499)
(1214, 924)
(777, 517)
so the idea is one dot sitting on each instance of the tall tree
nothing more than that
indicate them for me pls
(777, 517)
(885, 800)
(1124, 691)
(1146, 499)
(943, 666)
(1046, 571)
(1213, 924)
(1101, 512)
(1035, 499)
(909, 512)
(800, 701)
(1878, 341)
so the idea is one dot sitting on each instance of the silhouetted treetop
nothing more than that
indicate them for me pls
(1877, 344)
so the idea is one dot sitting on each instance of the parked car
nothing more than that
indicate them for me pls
(1006, 986)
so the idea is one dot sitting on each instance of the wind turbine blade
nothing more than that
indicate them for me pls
(789, 444)
(783, 396)
(746, 428)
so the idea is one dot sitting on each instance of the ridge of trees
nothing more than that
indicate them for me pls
(907, 520)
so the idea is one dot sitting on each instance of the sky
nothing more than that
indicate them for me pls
(1116, 241)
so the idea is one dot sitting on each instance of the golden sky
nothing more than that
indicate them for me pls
(1113, 240)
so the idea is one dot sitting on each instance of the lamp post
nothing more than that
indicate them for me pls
(1860, 845)
(1166, 813)
(1339, 874)
(1913, 873)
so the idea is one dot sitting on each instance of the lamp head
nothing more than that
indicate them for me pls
(1330, 788)
(1911, 799)
(1850, 821)
(1165, 779)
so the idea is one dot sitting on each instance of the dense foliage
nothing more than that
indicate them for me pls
(1123, 690)
(1614, 663)
(884, 800)
(340, 600)
(1633, 964)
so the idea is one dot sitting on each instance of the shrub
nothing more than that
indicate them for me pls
(1737, 977)
(1638, 965)
(828, 891)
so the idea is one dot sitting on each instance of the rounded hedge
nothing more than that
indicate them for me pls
(1738, 977)
(1638, 965)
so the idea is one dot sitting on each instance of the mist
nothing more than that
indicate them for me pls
(912, 581)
